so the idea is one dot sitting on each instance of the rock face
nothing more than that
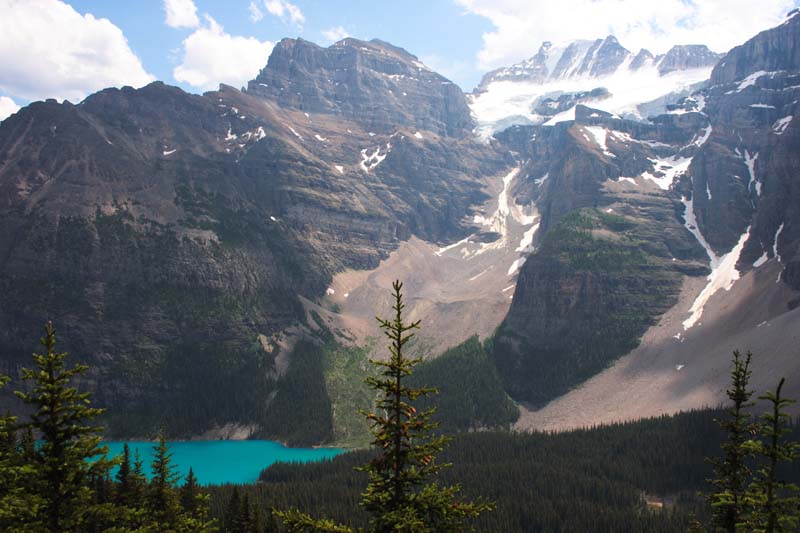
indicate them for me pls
(643, 59)
(603, 58)
(771, 50)
(373, 83)
(686, 57)
(709, 186)
(611, 251)
(171, 236)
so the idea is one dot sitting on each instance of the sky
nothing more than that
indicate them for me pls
(68, 49)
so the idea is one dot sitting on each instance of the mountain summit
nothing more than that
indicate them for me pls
(372, 82)
(601, 74)
(597, 59)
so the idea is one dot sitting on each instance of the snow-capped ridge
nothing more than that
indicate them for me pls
(601, 74)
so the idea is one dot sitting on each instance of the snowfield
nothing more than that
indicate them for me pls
(506, 103)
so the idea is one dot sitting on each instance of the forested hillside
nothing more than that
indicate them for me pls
(636, 477)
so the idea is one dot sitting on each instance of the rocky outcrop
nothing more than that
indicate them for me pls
(687, 56)
(603, 58)
(378, 85)
(771, 50)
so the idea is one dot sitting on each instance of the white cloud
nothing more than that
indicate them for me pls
(285, 10)
(180, 14)
(211, 56)
(49, 50)
(521, 25)
(7, 107)
(335, 34)
(255, 13)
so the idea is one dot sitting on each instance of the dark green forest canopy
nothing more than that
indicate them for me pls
(586, 480)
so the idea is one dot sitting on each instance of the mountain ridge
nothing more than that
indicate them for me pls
(238, 233)
(595, 59)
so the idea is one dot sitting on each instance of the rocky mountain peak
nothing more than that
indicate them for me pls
(604, 57)
(373, 82)
(683, 57)
(582, 59)
(642, 59)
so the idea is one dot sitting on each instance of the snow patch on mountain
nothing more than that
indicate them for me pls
(723, 276)
(600, 136)
(781, 124)
(750, 161)
(668, 168)
(371, 161)
(775, 243)
(505, 103)
(690, 222)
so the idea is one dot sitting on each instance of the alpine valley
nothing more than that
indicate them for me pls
(585, 238)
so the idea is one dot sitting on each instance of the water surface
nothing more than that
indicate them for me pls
(225, 461)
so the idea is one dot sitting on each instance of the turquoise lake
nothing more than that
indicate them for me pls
(225, 461)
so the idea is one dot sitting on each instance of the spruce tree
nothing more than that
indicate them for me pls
(195, 505)
(163, 500)
(402, 494)
(138, 492)
(19, 505)
(772, 502)
(70, 455)
(123, 477)
(189, 493)
(731, 470)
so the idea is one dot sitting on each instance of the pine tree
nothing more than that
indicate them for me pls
(189, 493)
(732, 471)
(123, 477)
(19, 506)
(163, 500)
(70, 455)
(138, 492)
(195, 504)
(773, 503)
(400, 495)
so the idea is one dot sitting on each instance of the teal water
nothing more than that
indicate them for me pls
(225, 461)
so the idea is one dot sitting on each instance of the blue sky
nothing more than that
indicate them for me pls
(416, 25)
(67, 49)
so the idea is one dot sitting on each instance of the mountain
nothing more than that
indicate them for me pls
(617, 226)
(597, 59)
(374, 83)
(601, 74)
(173, 238)
(667, 244)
